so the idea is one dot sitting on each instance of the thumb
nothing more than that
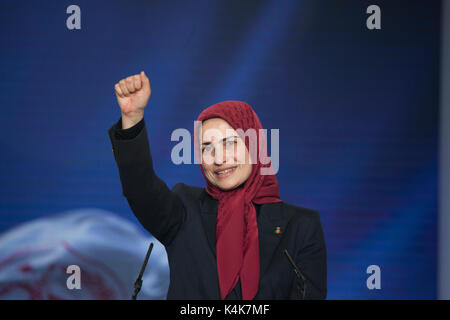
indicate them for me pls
(144, 78)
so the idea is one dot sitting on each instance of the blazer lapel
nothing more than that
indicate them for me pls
(208, 216)
(272, 224)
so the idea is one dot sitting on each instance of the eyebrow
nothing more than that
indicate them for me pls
(208, 142)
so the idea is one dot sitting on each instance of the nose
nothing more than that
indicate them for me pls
(219, 155)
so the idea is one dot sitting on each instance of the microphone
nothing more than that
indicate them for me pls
(299, 275)
(138, 283)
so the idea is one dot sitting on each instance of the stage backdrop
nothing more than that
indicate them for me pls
(357, 111)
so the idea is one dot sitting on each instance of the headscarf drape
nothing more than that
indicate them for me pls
(237, 245)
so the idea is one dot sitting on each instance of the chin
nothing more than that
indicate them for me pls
(226, 186)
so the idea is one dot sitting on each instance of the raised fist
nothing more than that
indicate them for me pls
(133, 93)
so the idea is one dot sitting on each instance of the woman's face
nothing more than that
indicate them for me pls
(225, 158)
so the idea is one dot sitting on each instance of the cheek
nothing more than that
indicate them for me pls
(243, 172)
(247, 170)
(241, 154)
(207, 170)
(207, 160)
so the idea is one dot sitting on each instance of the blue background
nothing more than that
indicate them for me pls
(357, 112)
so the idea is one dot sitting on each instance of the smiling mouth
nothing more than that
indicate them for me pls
(225, 173)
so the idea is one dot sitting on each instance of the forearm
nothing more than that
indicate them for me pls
(133, 160)
(129, 133)
(158, 208)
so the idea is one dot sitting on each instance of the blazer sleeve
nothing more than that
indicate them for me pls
(312, 261)
(159, 209)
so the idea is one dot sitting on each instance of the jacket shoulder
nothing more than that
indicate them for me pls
(301, 213)
(188, 191)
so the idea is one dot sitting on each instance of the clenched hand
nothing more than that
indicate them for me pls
(132, 95)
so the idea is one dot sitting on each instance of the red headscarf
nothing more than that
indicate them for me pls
(237, 246)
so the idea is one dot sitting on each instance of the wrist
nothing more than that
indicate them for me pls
(131, 119)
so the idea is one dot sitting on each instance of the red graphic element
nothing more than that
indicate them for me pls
(48, 282)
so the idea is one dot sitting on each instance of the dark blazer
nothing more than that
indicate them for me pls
(183, 219)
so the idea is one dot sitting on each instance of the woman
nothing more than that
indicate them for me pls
(228, 240)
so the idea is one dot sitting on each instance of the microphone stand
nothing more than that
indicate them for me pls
(138, 283)
(300, 276)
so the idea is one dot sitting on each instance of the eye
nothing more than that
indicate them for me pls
(231, 142)
(207, 149)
